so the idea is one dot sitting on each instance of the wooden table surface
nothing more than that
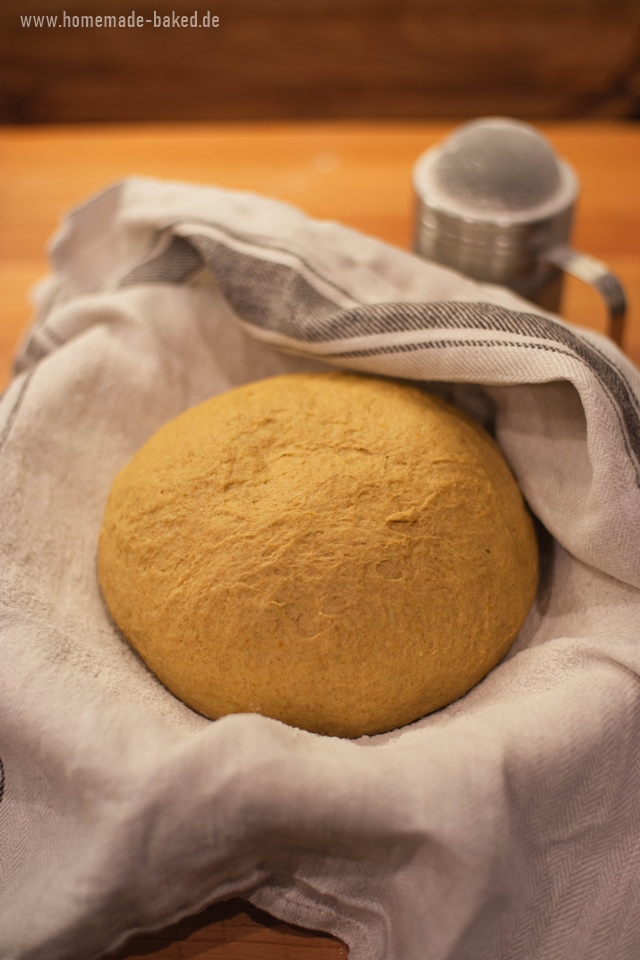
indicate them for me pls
(359, 174)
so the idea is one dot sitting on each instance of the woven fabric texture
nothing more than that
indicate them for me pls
(503, 827)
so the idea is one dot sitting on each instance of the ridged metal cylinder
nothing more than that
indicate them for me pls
(491, 245)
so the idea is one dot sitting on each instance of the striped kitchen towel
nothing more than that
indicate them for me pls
(503, 827)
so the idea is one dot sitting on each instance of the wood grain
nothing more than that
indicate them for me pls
(354, 59)
(234, 930)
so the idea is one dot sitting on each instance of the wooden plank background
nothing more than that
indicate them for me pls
(312, 59)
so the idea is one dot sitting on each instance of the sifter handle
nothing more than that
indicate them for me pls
(598, 276)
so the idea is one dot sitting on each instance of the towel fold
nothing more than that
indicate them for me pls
(503, 827)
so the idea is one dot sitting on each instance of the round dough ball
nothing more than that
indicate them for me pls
(340, 552)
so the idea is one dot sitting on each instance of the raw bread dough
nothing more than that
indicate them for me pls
(343, 553)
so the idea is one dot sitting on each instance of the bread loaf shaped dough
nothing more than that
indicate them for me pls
(342, 553)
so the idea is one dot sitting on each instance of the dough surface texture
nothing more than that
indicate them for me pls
(342, 553)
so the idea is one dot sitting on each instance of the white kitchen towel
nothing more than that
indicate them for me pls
(504, 827)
